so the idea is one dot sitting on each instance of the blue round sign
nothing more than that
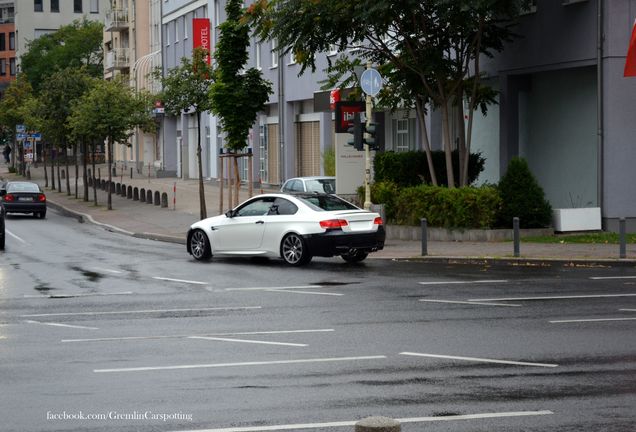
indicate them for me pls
(371, 82)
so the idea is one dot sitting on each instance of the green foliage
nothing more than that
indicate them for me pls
(411, 168)
(329, 162)
(11, 111)
(237, 96)
(78, 46)
(523, 197)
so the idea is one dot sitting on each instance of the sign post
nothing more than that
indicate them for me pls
(371, 83)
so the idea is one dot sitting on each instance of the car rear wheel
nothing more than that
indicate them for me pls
(200, 245)
(40, 215)
(294, 250)
(354, 256)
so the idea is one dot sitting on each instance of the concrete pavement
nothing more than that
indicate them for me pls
(171, 224)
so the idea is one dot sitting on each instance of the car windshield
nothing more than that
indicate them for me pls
(22, 187)
(326, 203)
(321, 185)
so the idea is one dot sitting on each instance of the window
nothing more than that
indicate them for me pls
(176, 30)
(403, 134)
(333, 50)
(257, 207)
(274, 54)
(55, 5)
(12, 66)
(282, 207)
(3, 41)
(94, 6)
(257, 56)
(12, 41)
(3, 67)
(77, 6)
(38, 6)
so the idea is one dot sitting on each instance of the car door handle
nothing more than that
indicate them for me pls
(260, 222)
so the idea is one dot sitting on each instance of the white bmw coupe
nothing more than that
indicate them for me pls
(294, 227)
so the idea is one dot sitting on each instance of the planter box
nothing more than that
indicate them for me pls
(577, 219)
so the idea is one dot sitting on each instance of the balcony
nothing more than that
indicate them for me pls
(117, 59)
(116, 20)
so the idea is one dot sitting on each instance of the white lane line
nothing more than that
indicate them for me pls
(274, 288)
(246, 341)
(148, 311)
(462, 282)
(591, 320)
(339, 424)
(551, 297)
(627, 310)
(469, 302)
(612, 277)
(286, 290)
(133, 338)
(107, 270)
(481, 360)
(16, 237)
(72, 295)
(180, 280)
(61, 325)
(220, 365)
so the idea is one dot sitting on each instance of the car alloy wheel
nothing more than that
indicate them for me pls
(294, 250)
(200, 245)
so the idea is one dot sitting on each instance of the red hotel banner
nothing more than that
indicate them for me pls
(201, 35)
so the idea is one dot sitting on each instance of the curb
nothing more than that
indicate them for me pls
(524, 262)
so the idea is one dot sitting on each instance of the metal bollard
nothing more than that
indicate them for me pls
(622, 238)
(515, 235)
(424, 237)
(378, 424)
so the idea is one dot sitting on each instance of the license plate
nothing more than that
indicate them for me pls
(25, 199)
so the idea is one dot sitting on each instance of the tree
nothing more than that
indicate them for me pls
(185, 88)
(77, 45)
(12, 112)
(110, 110)
(432, 46)
(237, 94)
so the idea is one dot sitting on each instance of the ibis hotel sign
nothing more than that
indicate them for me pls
(202, 36)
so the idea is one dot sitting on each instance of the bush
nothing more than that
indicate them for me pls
(466, 207)
(523, 198)
(411, 168)
(329, 162)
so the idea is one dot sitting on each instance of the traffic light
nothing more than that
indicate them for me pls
(370, 132)
(356, 130)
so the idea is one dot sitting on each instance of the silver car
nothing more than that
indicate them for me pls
(319, 184)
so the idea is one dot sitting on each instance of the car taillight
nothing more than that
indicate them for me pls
(9, 198)
(333, 223)
(378, 221)
(41, 198)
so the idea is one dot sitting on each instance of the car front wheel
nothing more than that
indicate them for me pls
(354, 256)
(294, 250)
(200, 245)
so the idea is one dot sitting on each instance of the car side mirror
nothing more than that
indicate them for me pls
(230, 214)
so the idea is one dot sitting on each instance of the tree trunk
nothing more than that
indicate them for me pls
(59, 177)
(68, 180)
(76, 169)
(94, 150)
(84, 171)
(46, 174)
(110, 171)
(52, 150)
(238, 182)
(202, 208)
(463, 177)
(425, 143)
(447, 146)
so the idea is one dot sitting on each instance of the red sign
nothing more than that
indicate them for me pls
(201, 35)
(344, 114)
(334, 96)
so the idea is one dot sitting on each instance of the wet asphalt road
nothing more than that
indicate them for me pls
(103, 332)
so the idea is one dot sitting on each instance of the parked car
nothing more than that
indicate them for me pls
(2, 229)
(23, 197)
(310, 184)
(295, 227)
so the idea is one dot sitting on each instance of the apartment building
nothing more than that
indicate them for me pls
(8, 66)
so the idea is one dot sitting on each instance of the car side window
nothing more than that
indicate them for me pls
(296, 186)
(282, 207)
(257, 207)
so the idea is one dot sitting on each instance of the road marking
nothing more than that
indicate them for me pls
(60, 296)
(219, 365)
(462, 282)
(16, 237)
(287, 290)
(187, 336)
(482, 360)
(591, 320)
(627, 310)
(273, 288)
(141, 311)
(612, 277)
(180, 280)
(551, 297)
(469, 302)
(339, 424)
(246, 341)
(61, 325)
(107, 270)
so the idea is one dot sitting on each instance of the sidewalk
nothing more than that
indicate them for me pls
(171, 224)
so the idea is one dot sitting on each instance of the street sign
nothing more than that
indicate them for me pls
(21, 136)
(371, 82)
(20, 128)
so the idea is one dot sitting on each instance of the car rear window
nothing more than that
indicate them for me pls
(322, 185)
(23, 187)
(327, 203)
